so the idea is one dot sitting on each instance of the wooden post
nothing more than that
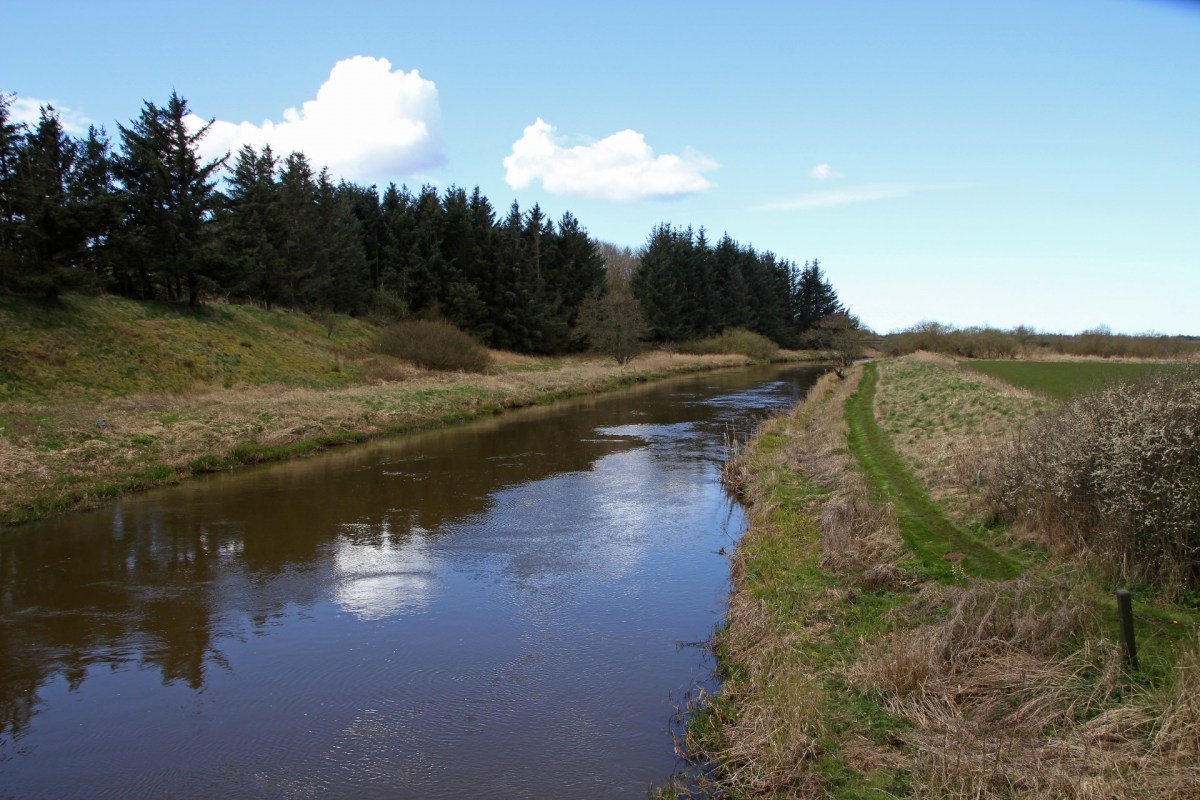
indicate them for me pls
(1125, 612)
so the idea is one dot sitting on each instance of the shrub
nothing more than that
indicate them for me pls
(987, 342)
(434, 345)
(614, 324)
(1116, 472)
(734, 340)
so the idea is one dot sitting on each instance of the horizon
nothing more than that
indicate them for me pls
(983, 165)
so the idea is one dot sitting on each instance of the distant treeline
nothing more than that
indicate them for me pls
(150, 219)
(691, 289)
(986, 342)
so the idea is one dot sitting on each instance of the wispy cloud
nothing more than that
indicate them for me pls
(367, 122)
(853, 194)
(824, 172)
(29, 111)
(621, 167)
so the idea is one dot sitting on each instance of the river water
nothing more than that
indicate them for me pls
(509, 608)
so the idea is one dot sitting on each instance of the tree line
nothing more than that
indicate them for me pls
(147, 217)
(691, 289)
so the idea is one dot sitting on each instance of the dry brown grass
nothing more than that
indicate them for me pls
(1010, 693)
(769, 716)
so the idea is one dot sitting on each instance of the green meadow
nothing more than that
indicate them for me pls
(1063, 379)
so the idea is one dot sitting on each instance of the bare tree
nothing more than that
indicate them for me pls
(614, 324)
(840, 334)
(620, 262)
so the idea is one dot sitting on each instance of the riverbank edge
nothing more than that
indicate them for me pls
(851, 669)
(116, 448)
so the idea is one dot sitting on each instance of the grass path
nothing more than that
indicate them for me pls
(945, 550)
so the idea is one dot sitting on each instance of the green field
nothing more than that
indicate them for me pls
(1064, 379)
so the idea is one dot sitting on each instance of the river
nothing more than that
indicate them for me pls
(504, 609)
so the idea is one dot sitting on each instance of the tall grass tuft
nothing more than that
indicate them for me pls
(434, 345)
(1117, 473)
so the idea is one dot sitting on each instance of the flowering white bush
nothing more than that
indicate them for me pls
(1116, 472)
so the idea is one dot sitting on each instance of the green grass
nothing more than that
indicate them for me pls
(1063, 379)
(935, 540)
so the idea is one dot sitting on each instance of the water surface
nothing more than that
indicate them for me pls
(509, 608)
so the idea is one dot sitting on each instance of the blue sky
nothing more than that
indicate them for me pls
(972, 163)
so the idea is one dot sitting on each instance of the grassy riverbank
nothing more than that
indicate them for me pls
(106, 396)
(883, 641)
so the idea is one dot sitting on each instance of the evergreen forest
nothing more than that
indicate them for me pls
(143, 215)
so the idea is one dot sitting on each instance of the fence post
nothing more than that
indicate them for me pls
(1125, 612)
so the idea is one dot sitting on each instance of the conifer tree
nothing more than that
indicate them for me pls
(660, 284)
(300, 240)
(344, 281)
(170, 196)
(10, 139)
(394, 273)
(97, 204)
(577, 272)
(253, 231)
(814, 297)
(49, 240)
(462, 252)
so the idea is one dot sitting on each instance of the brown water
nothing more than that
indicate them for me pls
(504, 609)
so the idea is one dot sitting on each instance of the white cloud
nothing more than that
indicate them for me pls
(853, 194)
(824, 172)
(367, 123)
(620, 167)
(29, 111)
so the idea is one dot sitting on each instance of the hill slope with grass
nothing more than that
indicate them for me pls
(92, 348)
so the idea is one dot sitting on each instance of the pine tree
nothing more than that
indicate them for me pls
(96, 203)
(11, 134)
(170, 196)
(394, 277)
(514, 310)
(660, 283)
(344, 277)
(253, 231)
(298, 216)
(49, 240)
(731, 302)
(577, 271)
(814, 297)
(462, 299)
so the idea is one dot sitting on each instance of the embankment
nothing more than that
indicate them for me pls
(882, 641)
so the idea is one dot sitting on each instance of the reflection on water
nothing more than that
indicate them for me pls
(489, 611)
(378, 575)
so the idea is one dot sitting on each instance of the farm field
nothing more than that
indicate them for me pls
(1063, 379)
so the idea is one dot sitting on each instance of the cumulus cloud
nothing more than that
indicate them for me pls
(621, 167)
(29, 111)
(368, 122)
(853, 194)
(824, 172)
